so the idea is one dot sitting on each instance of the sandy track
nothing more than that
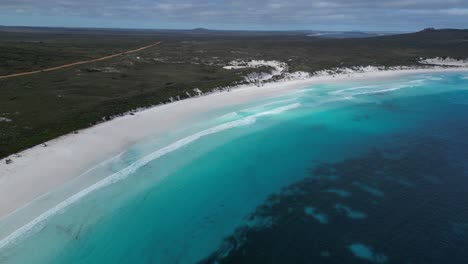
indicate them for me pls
(79, 62)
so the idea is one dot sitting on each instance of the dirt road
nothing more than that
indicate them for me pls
(78, 63)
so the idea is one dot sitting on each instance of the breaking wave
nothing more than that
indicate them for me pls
(39, 222)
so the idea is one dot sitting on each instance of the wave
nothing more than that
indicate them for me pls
(278, 110)
(302, 91)
(99, 165)
(355, 88)
(250, 109)
(375, 88)
(234, 115)
(231, 115)
(38, 222)
(394, 87)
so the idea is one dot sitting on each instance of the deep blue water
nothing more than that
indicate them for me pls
(403, 201)
(348, 173)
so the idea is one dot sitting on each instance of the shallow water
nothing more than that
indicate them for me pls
(348, 173)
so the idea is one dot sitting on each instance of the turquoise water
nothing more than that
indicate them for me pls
(175, 199)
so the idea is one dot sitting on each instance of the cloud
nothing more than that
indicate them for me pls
(256, 14)
(456, 11)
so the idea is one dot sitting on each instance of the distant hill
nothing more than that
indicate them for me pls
(351, 34)
(212, 32)
(434, 36)
(442, 30)
(195, 31)
(201, 30)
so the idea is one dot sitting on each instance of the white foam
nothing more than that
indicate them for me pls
(301, 91)
(38, 222)
(387, 88)
(354, 88)
(278, 110)
(120, 175)
(231, 115)
(268, 104)
(394, 87)
(102, 164)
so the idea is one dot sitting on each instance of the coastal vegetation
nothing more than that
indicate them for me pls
(43, 106)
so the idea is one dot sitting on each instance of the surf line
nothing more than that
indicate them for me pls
(126, 172)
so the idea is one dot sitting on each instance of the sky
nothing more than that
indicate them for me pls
(365, 15)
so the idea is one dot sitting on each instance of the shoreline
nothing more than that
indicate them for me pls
(41, 170)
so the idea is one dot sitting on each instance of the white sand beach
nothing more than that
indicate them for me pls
(44, 168)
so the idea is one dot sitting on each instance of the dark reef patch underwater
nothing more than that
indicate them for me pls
(405, 201)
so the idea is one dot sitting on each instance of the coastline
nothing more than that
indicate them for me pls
(40, 169)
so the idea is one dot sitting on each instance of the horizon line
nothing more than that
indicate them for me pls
(228, 30)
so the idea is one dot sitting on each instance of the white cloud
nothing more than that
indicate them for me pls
(456, 11)
(344, 14)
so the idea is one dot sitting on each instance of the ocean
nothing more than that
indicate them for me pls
(357, 172)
